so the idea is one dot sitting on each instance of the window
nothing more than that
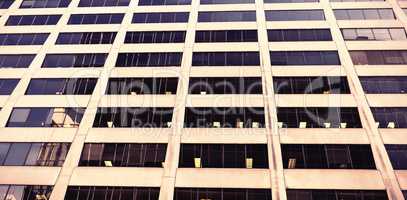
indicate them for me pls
(290, 1)
(299, 35)
(33, 154)
(45, 3)
(25, 192)
(123, 155)
(294, 15)
(155, 37)
(397, 154)
(374, 34)
(304, 58)
(227, 16)
(136, 117)
(226, 36)
(23, 39)
(353, 0)
(163, 2)
(225, 85)
(103, 3)
(379, 57)
(223, 156)
(6, 4)
(319, 117)
(314, 194)
(61, 86)
(16, 60)
(224, 117)
(311, 85)
(45, 117)
(20, 20)
(384, 84)
(249, 58)
(390, 117)
(86, 38)
(166, 17)
(7, 86)
(107, 193)
(165, 59)
(221, 194)
(203, 2)
(141, 86)
(74, 60)
(115, 18)
(327, 156)
(364, 14)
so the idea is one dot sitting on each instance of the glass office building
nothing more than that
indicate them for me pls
(203, 99)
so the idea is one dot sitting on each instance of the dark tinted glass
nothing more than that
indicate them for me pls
(311, 85)
(145, 117)
(61, 86)
(23, 39)
(45, 3)
(298, 194)
(226, 36)
(374, 34)
(299, 35)
(19, 20)
(115, 18)
(74, 60)
(155, 37)
(6, 4)
(86, 38)
(7, 86)
(327, 156)
(149, 59)
(226, 1)
(223, 156)
(123, 155)
(225, 59)
(378, 57)
(319, 117)
(290, 1)
(222, 117)
(225, 85)
(384, 84)
(294, 15)
(390, 117)
(141, 86)
(398, 155)
(15, 61)
(107, 193)
(304, 58)
(227, 16)
(167, 17)
(163, 2)
(103, 3)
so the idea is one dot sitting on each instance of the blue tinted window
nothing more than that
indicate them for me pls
(45, 3)
(225, 59)
(15, 61)
(361, 14)
(45, 117)
(61, 86)
(6, 4)
(295, 15)
(23, 39)
(384, 84)
(226, 36)
(96, 18)
(19, 20)
(149, 59)
(74, 60)
(167, 17)
(388, 117)
(227, 16)
(155, 37)
(163, 2)
(86, 38)
(304, 58)
(311, 85)
(299, 35)
(226, 1)
(398, 155)
(102, 3)
(7, 86)
(290, 1)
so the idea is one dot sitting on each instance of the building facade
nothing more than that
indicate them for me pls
(203, 99)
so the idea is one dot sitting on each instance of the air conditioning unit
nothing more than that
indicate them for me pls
(40, 197)
(216, 124)
(280, 124)
(255, 125)
(303, 125)
(168, 92)
(108, 163)
(239, 124)
(203, 92)
(377, 124)
(169, 124)
(110, 124)
(391, 125)
(327, 125)
(133, 93)
(249, 163)
(343, 125)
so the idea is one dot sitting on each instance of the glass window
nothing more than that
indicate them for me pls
(74, 60)
(167, 17)
(45, 3)
(294, 15)
(166, 59)
(20, 20)
(227, 16)
(17, 154)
